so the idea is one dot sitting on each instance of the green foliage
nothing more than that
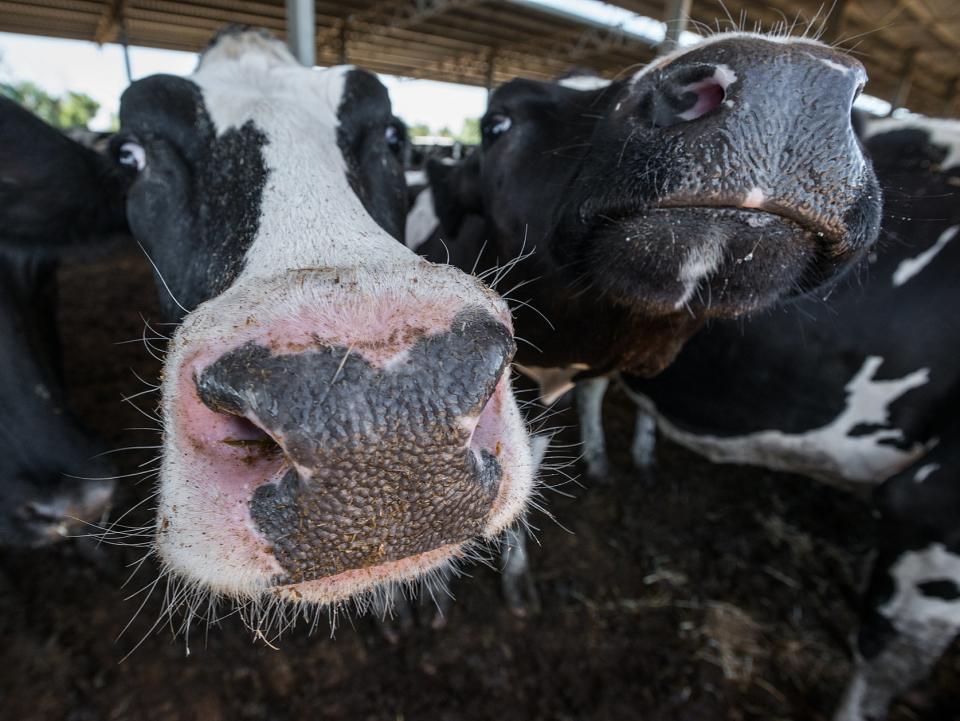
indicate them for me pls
(469, 134)
(71, 110)
(419, 130)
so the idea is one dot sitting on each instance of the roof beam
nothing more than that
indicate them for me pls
(596, 39)
(392, 14)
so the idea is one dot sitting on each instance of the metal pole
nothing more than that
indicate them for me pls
(676, 15)
(906, 80)
(488, 77)
(950, 100)
(301, 31)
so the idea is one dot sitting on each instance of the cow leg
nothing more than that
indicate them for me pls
(590, 395)
(644, 444)
(912, 605)
(517, 581)
(900, 641)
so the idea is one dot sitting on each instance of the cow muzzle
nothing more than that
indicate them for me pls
(338, 438)
(740, 179)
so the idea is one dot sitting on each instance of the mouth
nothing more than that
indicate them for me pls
(710, 260)
(751, 214)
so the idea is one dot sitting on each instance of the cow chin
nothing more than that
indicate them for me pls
(706, 261)
(329, 432)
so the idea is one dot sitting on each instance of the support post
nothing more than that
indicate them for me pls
(906, 80)
(491, 66)
(676, 15)
(301, 31)
(950, 100)
(342, 42)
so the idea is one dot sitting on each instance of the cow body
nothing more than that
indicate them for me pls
(860, 388)
(51, 478)
(337, 412)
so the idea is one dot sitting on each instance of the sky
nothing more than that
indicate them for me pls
(61, 65)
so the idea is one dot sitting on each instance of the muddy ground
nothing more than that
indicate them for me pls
(712, 593)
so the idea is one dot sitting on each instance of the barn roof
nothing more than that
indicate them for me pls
(911, 47)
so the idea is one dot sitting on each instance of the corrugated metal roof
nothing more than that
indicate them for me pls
(489, 41)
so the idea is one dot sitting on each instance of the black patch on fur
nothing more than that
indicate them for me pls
(374, 171)
(944, 589)
(196, 207)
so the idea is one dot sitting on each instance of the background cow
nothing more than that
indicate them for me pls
(337, 412)
(53, 480)
(709, 184)
(860, 388)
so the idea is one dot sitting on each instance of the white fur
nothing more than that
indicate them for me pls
(925, 471)
(754, 199)
(829, 453)
(911, 266)
(944, 132)
(421, 220)
(310, 216)
(415, 177)
(702, 260)
(584, 82)
(590, 394)
(908, 606)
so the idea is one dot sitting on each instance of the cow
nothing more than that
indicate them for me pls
(709, 184)
(858, 389)
(52, 479)
(338, 416)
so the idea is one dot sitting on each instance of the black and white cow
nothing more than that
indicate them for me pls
(862, 389)
(337, 412)
(709, 184)
(51, 478)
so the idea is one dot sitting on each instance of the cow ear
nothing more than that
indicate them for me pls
(456, 191)
(54, 192)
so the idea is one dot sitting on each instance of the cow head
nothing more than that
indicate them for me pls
(711, 183)
(337, 412)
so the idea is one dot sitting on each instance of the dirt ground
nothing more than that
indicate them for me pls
(710, 593)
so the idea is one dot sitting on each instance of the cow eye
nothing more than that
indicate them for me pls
(494, 125)
(132, 155)
(394, 136)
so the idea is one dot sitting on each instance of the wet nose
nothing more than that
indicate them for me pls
(312, 401)
(372, 453)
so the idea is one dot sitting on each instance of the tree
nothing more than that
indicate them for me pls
(72, 110)
(418, 130)
(470, 133)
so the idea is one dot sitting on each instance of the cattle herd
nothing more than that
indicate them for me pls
(765, 274)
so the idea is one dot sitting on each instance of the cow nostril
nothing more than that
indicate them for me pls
(686, 93)
(244, 434)
(710, 94)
